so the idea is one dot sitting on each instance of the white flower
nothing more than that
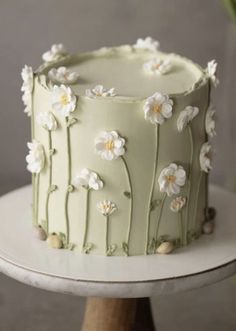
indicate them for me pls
(47, 120)
(36, 157)
(205, 157)
(177, 204)
(63, 75)
(171, 179)
(210, 122)
(100, 91)
(109, 145)
(157, 108)
(211, 71)
(106, 207)
(157, 66)
(27, 88)
(88, 179)
(147, 43)
(56, 51)
(63, 100)
(186, 116)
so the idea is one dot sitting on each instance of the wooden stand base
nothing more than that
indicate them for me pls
(118, 315)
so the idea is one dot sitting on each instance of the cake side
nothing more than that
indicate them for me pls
(121, 175)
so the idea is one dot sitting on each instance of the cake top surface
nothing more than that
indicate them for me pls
(133, 73)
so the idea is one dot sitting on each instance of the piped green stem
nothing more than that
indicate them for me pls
(160, 215)
(37, 184)
(68, 182)
(87, 198)
(157, 141)
(197, 199)
(131, 202)
(189, 192)
(49, 180)
(181, 229)
(106, 235)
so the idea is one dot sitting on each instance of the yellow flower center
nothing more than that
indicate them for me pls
(64, 100)
(156, 109)
(171, 178)
(109, 145)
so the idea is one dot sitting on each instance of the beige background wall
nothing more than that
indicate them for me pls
(199, 29)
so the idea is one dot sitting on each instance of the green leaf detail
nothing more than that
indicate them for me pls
(71, 121)
(154, 204)
(52, 188)
(52, 151)
(125, 248)
(87, 248)
(127, 194)
(69, 246)
(70, 188)
(63, 238)
(152, 245)
(111, 249)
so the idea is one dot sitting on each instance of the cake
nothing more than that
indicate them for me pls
(120, 150)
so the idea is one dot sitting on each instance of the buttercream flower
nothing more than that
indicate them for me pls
(157, 66)
(109, 145)
(63, 75)
(63, 100)
(36, 157)
(47, 120)
(100, 91)
(106, 207)
(88, 179)
(56, 52)
(147, 43)
(210, 122)
(27, 88)
(205, 157)
(186, 116)
(212, 72)
(177, 204)
(171, 179)
(157, 108)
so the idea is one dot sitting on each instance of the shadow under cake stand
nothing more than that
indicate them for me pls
(118, 287)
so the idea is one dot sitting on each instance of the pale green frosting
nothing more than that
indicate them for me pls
(73, 212)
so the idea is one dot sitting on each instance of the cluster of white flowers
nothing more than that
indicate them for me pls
(36, 157)
(106, 207)
(63, 75)
(177, 204)
(171, 179)
(157, 66)
(88, 179)
(100, 91)
(205, 157)
(186, 116)
(63, 100)
(147, 43)
(55, 53)
(157, 108)
(27, 88)
(212, 72)
(109, 145)
(47, 120)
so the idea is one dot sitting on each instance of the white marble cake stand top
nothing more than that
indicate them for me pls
(207, 260)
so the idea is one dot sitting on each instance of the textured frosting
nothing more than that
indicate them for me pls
(129, 181)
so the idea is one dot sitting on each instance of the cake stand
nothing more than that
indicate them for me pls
(118, 287)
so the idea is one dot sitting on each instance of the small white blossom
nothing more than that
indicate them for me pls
(157, 108)
(106, 207)
(171, 179)
(88, 179)
(147, 43)
(177, 204)
(56, 52)
(47, 120)
(157, 66)
(63, 100)
(63, 75)
(36, 157)
(100, 91)
(186, 116)
(212, 72)
(109, 145)
(205, 157)
(210, 122)
(27, 88)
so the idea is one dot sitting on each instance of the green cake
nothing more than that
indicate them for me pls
(119, 153)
